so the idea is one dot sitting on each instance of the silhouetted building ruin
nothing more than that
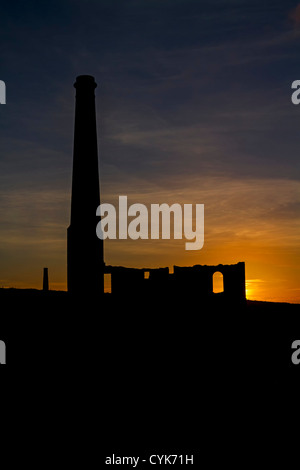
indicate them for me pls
(194, 281)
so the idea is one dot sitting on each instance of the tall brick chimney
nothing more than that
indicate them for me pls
(85, 249)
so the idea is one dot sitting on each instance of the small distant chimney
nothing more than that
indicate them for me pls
(45, 280)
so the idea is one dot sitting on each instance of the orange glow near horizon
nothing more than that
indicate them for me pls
(241, 224)
(260, 289)
(264, 282)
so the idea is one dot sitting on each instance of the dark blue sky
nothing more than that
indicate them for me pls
(192, 94)
(223, 65)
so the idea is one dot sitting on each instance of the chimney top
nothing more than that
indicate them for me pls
(85, 80)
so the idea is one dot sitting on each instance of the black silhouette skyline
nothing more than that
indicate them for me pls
(193, 106)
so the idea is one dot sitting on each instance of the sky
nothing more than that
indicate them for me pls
(193, 106)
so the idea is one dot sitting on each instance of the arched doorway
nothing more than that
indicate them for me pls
(218, 282)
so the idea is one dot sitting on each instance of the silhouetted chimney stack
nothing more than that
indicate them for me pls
(85, 250)
(45, 280)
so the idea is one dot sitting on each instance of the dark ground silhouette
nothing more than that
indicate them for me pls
(162, 373)
(184, 334)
